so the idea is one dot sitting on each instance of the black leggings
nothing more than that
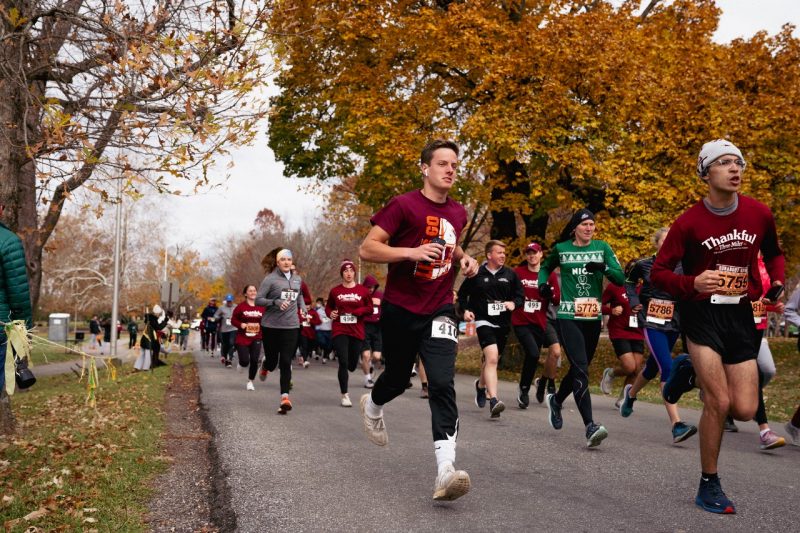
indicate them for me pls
(307, 346)
(279, 347)
(227, 339)
(248, 357)
(131, 341)
(348, 351)
(407, 334)
(531, 338)
(579, 339)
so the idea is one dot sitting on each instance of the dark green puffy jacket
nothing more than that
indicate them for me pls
(15, 296)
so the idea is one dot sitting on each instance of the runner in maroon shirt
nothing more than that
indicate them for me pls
(348, 303)
(530, 319)
(247, 321)
(625, 334)
(717, 242)
(417, 234)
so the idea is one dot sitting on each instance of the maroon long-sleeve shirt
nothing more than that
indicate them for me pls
(352, 304)
(702, 240)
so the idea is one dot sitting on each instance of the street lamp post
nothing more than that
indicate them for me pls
(117, 243)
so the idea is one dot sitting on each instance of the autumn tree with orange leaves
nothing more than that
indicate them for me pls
(557, 105)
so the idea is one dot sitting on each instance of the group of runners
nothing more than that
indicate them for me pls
(717, 269)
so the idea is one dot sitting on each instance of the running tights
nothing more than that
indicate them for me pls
(660, 344)
(579, 339)
(348, 352)
(248, 357)
(279, 348)
(527, 336)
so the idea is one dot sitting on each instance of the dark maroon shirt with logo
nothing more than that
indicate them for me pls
(702, 240)
(411, 220)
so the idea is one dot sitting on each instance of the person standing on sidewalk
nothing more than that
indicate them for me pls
(133, 331)
(417, 234)
(489, 298)
(717, 241)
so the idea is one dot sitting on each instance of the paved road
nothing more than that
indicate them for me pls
(314, 470)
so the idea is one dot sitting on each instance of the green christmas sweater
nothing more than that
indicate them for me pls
(578, 285)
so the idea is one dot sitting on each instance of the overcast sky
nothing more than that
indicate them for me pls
(257, 179)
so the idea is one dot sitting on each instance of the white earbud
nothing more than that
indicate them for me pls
(425, 172)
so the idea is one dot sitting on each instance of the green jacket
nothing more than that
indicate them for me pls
(15, 296)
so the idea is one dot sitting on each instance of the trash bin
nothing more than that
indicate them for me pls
(58, 327)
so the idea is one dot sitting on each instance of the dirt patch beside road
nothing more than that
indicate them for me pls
(193, 494)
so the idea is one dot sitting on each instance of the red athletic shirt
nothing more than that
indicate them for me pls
(375, 316)
(619, 326)
(354, 301)
(307, 324)
(412, 220)
(702, 240)
(530, 283)
(244, 314)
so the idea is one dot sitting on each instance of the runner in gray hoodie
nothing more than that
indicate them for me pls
(227, 331)
(280, 295)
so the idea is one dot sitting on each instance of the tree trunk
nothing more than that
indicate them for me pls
(8, 424)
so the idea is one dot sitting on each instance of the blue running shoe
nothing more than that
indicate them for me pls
(711, 498)
(681, 379)
(480, 395)
(681, 432)
(554, 416)
(626, 405)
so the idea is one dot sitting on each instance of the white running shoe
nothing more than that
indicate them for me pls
(368, 383)
(250, 386)
(451, 484)
(607, 381)
(375, 428)
(306, 364)
(414, 370)
(346, 401)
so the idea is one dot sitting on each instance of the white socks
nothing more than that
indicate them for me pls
(372, 410)
(445, 451)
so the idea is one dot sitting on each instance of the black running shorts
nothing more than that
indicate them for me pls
(550, 334)
(728, 329)
(487, 335)
(372, 337)
(623, 346)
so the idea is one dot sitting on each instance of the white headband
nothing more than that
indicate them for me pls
(284, 253)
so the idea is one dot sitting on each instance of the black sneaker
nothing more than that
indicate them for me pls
(551, 386)
(730, 425)
(522, 399)
(711, 498)
(595, 434)
(554, 416)
(541, 385)
(480, 395)
(681, 379)
(496, 407)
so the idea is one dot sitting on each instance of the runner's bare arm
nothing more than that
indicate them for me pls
(376, 249)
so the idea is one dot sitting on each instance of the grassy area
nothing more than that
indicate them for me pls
(80, 468)
(43, 353)
(781, 396)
